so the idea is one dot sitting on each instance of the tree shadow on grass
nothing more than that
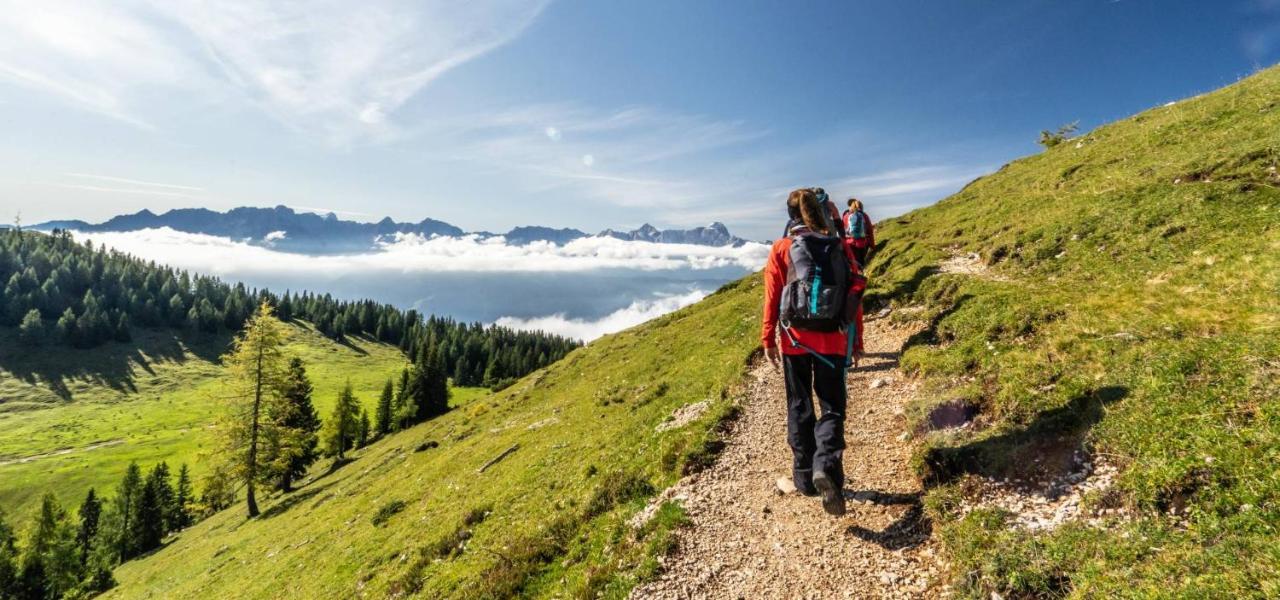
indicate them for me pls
(1045, 448)
(293, 499)
(348, 344)
(114, 365)
(909, 530)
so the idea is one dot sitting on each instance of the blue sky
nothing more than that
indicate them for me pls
(573, 113)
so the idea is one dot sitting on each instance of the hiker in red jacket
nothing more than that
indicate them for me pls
(812, 297)
(859, 232)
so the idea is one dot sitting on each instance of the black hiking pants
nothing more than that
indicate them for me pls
(860, 255)
(817, 443)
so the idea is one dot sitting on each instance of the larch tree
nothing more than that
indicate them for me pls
(256, 374)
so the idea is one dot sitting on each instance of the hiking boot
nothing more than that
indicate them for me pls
(803, 479)
(832, 495)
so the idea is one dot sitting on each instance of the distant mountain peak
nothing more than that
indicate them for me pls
(312, 233)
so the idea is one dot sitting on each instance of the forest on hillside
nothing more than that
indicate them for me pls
(59, 292)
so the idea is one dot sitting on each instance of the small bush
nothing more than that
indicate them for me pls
(502, 384)
(387, 511)
(616, 489)
(1049, 139)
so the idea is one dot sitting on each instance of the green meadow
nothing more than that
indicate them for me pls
(73, 419)
(417, 514)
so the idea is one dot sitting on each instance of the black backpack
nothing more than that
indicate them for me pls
(817, 294)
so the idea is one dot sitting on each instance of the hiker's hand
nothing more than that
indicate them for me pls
(772, 354)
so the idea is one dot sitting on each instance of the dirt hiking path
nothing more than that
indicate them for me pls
(748, 540)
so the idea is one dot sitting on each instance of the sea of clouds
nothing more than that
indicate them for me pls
(584, 289)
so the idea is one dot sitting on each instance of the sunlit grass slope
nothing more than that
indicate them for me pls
(1133, 306)
(74, 419)
(414, 516)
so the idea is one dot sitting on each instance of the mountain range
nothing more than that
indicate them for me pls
(285, 229)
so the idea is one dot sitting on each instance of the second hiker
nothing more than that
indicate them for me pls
(859, 232)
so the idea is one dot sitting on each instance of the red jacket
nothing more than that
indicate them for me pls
(866, 242)
(775, 278)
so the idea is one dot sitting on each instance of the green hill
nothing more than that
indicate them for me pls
(1130, 309)
(1125, 306)
(72, 419)
(418, 514)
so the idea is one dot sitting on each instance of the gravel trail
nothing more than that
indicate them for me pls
(749, 540)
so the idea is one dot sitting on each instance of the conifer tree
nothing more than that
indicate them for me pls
(404, 410)
(31, 330)
(66, 327)
(382, 415)
(429, 386)
(125, 506)
(303, 423)
(218, 489)
(343, 426)
(90, 515)
(51, 559)
(183, 496)
(256, 375)
(147, 523)
(362, 435)
(165, 498)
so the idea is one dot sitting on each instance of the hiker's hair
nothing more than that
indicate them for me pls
(803, 204)
(855, 204)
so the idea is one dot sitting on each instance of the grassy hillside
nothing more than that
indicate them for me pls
(413, 515)
(1131, 308)
(74, 419)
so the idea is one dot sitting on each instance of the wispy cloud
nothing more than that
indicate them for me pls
(123, 185)
(924, 183)
(134, 181)
(119, 190)
(631, 157)
(336, 69)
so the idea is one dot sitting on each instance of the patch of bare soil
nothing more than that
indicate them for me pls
(970, 263)
(1044, 506)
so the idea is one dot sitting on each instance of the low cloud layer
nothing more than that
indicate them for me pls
(590, 329)
(409, 254)
(583, 289)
